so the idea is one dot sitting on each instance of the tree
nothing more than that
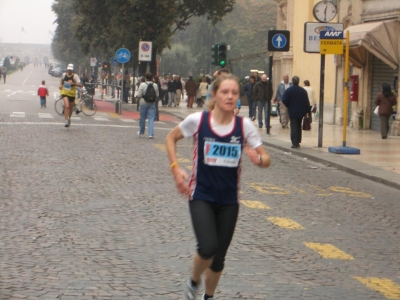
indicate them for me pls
(179, 60)
(111, 24)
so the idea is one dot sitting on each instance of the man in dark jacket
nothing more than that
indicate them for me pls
(248, 91)
(191, 89)
(262, 93)
(296, 100)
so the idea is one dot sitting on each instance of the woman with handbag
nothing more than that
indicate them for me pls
(385, 100)
(311, 96)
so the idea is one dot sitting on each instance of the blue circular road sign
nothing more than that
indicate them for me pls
(122, 55)
(279, 41)
(113, 61)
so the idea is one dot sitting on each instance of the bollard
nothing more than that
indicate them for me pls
(117, 107)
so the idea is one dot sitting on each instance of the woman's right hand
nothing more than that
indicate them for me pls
(181, 178)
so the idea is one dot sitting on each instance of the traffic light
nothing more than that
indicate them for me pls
(214, 55)
(222, 57)
(104, 65)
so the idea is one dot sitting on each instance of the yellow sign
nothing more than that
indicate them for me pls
(331, 46)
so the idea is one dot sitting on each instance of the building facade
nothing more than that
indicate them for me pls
(374, 28)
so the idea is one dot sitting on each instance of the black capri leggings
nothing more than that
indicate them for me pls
(213, 225)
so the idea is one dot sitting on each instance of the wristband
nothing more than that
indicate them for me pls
(174, 164)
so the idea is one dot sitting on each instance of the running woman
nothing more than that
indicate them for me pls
(213, 189)
(69, 82)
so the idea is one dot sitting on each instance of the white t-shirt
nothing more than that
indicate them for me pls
(190, 126)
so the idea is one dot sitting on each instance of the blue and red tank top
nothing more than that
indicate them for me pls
(216, 163)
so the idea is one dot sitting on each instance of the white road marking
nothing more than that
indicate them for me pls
(128, 120)
(17, 114)
(26, 78)
(76, 124)
(75, 118)
(45, 116)
(101, 119)
(55, 96)
(11, 94)
(158, 122)
(176, 122)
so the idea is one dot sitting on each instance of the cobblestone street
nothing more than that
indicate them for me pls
(91, 212)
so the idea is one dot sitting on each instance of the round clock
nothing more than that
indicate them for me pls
(324, 11)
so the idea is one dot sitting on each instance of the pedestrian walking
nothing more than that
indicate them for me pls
(4, 72)
(191, 90)
(178, 90)
(311, 96)
(164, 90)
(262, 95)
(296, 100)
(282, 109)
(248, 91)
(199, 100)
(147, 94)
(203, 90)
(156, 80)
(43, 92)
(171, 91)
(213, 189)
(385, 101)
(126, 88)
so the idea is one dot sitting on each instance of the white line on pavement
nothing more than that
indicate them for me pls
(77, 124)
(26, 78)
(11, 94)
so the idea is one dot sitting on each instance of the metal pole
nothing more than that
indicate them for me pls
(321, 101)
(269, 92)
(346, 89)
(122, 90)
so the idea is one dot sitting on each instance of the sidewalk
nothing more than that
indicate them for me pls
(379, 159)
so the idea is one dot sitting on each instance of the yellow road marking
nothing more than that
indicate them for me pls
(285, 223)
(267, 188)
(298, 190)
(254, 204)
(382, 285)
(329, 251)
(349, 192)
(322, 192)
(114, 115)
(161, 147)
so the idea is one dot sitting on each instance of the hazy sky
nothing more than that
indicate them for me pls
(35, 16)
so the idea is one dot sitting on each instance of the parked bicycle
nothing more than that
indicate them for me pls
(86, 105)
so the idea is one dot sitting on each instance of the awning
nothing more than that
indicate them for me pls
(380, 38)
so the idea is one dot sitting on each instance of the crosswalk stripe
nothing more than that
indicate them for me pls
(329, 251)
(285, 223)
(254, 204)
(17, 114)
(382, 285)
(73, 118)
(101, 119)
(128, 120)
(45, 116)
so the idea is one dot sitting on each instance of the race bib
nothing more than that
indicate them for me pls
(67, 86)
(222, 154)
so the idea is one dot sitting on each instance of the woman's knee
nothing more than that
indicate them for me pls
(208, 251)
(218, 264)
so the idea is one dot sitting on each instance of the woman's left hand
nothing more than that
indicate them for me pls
(253, 155)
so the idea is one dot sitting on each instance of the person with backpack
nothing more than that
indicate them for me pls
(147, 95)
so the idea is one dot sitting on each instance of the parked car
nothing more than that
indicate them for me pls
(53, 71)
(59, 71)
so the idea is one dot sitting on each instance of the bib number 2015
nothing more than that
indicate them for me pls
(222, 154)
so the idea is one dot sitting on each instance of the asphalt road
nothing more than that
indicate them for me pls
(91, 212)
